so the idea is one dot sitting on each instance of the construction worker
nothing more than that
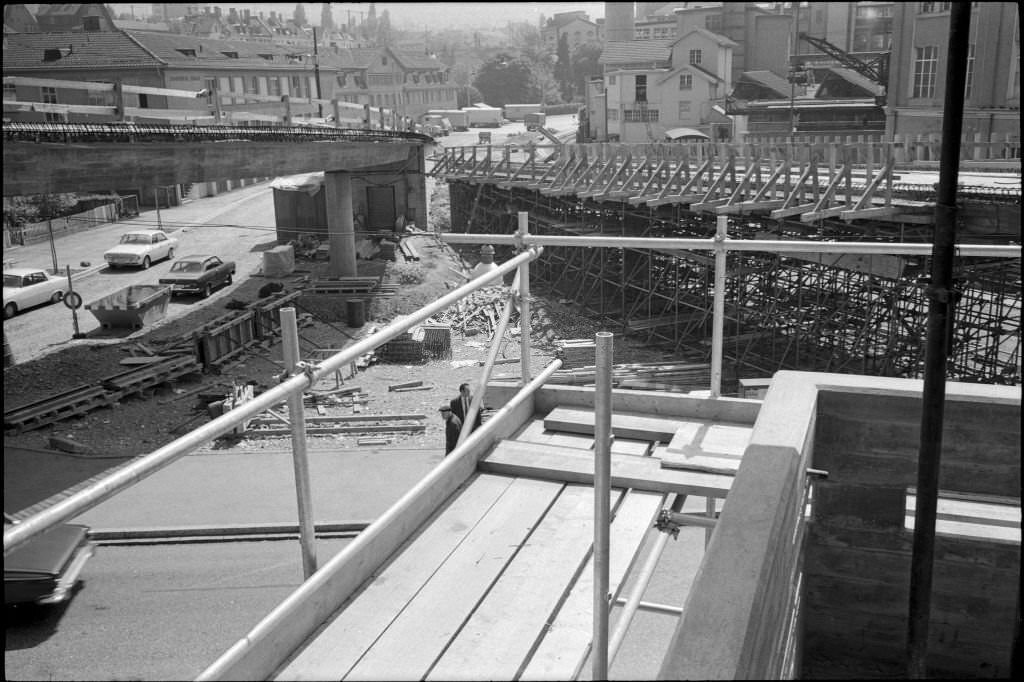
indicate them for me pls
(460, 407)
(452, 427)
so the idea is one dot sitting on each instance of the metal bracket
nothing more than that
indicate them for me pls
(665, 524)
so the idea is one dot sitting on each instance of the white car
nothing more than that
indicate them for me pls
(28, 287)
(141, 248)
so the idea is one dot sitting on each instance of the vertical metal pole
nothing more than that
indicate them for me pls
(156, 201)
(718, 321)
(524, 304)
(602, 491)
(53, 248)
(942, 299)
(307, 538)
(74, 312)
(316, 74)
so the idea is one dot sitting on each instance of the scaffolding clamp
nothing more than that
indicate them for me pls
(307, 368)
(666, 524)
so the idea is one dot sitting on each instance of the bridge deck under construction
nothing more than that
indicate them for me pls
(818, 312)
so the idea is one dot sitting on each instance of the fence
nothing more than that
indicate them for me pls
(34, 233)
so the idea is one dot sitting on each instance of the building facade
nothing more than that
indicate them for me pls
(652, 87)
(917, 73)
(576, 26)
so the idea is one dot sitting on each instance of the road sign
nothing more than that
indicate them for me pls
(73, 300)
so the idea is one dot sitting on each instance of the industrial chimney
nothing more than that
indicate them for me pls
(618, 21)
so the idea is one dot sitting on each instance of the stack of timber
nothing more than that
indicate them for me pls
(342, 424)
(653, 376)
(576, 353)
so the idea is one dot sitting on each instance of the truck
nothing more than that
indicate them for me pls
(483, 116)
(436, 122)
(518, 112)
(535, 120)
(459, 119)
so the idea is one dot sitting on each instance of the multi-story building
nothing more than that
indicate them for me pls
(576, 26)
(654, 86)
(917, 73)
(410, 84)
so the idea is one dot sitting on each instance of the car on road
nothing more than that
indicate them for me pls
(45, 569)
(26, 288)
(141, 248)
(198, 274)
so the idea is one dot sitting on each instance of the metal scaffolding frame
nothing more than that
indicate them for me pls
(847, 313)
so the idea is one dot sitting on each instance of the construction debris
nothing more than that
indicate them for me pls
(408, 384)
(673, 377)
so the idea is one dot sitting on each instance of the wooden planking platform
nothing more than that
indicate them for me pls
(497, 638)
(565, 645)
(624, 424)
(534, 432)
(573, 465)
(415, 638)
(707, 446)
(340, 643)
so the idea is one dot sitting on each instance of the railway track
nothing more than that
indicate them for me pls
(61, 406)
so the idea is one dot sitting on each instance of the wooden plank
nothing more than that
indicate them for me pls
(624, 424)
(414, 640)
(339, 643)
(571, 465)
(629, 446)
(567, 640)
(707, 446)
(497, 639)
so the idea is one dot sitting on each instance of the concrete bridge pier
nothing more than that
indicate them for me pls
(340, 225)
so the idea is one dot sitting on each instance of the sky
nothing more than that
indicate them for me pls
(412, 15)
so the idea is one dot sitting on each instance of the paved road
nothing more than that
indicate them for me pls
(237, 225)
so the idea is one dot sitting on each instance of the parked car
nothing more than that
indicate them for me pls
(199, 274)
(25, 288)
(45, 569)
(141, 248)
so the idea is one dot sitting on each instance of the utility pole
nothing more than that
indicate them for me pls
(316, 72)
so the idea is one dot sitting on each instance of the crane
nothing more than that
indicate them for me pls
(876, 69)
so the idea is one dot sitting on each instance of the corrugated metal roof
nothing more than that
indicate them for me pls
(102, 48)
(854, 78)
(633, 51)
(776, 84)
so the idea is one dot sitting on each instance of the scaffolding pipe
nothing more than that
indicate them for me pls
(941, 309)
(127, 476)
(643, 579)
(718, 319)
(524, 303)
(762, 245)
(602, 505)
(300, 461)
(492, 354)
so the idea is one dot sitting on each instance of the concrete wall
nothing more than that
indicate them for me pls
(857, 561)
(777, 597)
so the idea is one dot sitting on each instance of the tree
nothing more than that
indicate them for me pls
(504, 80)
(585, 65)
(383, 37)
(299, 17)
(326, 18)
(563, 68)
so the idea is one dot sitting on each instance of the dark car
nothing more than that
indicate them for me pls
(43, 570)
(198, 275)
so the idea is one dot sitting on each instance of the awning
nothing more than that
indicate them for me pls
(679, 133)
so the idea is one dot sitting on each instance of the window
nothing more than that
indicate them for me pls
(101, 98)
(696, 56)
(10, 92)
(713, 22)
(641, 88)
(274, 85)
(969, 84)
(933, 7)
(50, 97)
(613, 115)
(686, 81)
(684, 110)
(230, 55)
(187, 52)
(640, 115)
(925, 66)
(296, 86)
(611, 80)
(143, 101)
